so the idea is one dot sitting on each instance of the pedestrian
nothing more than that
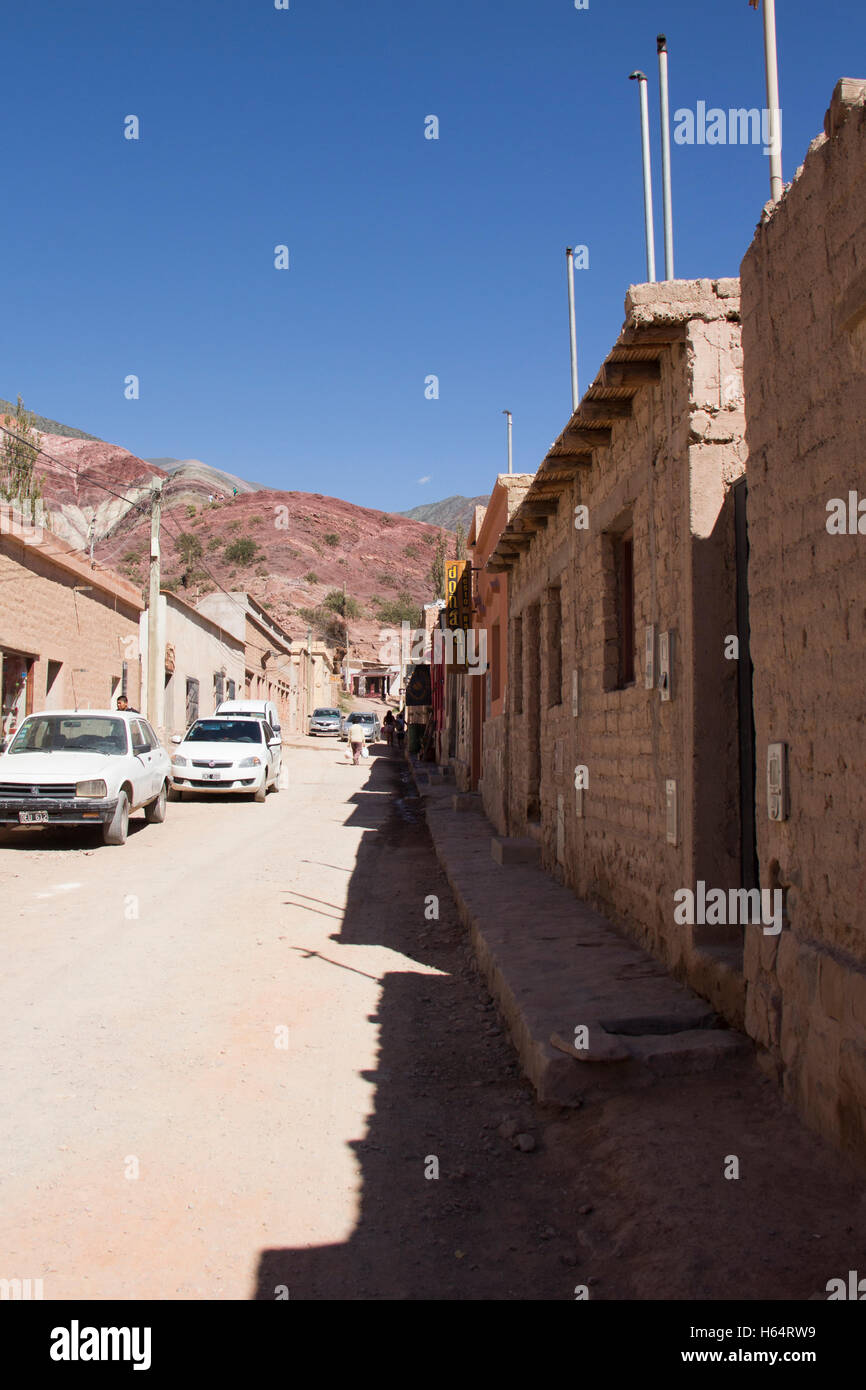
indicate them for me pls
(124, 706)
(357, 739)
(388, 727)
(400, 729)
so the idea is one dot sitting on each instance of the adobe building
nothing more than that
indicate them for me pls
(804, 339)
(474, 703)
(618, 751)
(204, 664)
(295, 676)
(68, 629)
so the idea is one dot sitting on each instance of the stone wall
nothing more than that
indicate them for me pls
(804, 336)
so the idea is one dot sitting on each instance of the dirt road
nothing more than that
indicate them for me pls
(235, 1050)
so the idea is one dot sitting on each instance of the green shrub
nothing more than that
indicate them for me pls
(411, 552)
(241, 552)
(311, 577)
(331, 538)
(395, 611)
(341, 603)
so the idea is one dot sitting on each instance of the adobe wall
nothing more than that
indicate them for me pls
(804, 336)
(91, 632)
(667, 473)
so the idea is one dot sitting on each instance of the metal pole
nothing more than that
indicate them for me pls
(309, 709)
(155, 659)
(664, 112)
(772, 71)
(572, 328)
(640, 78)
(507, 413)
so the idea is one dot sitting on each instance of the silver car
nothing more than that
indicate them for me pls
(324, 721)
(370, 720)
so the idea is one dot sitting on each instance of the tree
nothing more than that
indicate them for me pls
(437, 568)
(341, 603)
(460, 542)
(18, 456)
(189, 548)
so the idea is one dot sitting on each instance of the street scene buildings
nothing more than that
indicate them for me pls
(462, 902)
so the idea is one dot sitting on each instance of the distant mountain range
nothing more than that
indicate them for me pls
(46, 426)
(449, 513)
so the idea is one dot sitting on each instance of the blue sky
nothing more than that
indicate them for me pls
(408, 257)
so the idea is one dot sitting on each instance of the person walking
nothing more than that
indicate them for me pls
(400, 729)
(357, 739)
(388, 727)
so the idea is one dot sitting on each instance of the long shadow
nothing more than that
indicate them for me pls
(440, 1053)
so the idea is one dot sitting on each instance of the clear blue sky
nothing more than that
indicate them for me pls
(408, 256)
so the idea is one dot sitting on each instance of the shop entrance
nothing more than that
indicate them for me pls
(16, 690)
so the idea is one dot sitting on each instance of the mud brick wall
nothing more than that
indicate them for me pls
(91, 632)
(667, 476)
(804, 337)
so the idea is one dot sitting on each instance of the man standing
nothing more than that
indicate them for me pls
(357, 739)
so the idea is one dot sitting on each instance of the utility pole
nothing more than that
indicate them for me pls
(771, 68)
(507, 414)
(309, 671)
(572, 328)
(155, 658)
(640, 78)
(664, 114)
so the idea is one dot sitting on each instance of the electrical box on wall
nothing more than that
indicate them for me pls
(777, 781)
(671, 826)
(649, 661)
(666, 665)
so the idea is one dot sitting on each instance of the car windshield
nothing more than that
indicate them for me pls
(66, 733)
(361, 718)
(325, 713)
(225, 731)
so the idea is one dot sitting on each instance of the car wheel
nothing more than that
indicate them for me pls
(114, 832)
(175, 794)
(275, 785)
(261, 793)
(154, 812)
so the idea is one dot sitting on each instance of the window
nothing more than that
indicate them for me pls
(517, 664)
(230, 690)
(618, 605)
(219, 681)
(624, 560)
(191, 700)
(140, 740)
(554, 645)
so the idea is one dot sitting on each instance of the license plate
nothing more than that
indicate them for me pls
(211, 777)
(32, 817)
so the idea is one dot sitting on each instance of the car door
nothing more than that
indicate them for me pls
(161, 760)
(143, 772)
(274, 754)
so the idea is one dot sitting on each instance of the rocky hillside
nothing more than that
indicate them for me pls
(289, 550)
(449, 513)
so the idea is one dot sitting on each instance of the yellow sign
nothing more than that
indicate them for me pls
(458, 594)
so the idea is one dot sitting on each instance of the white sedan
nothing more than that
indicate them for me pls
(227, 754)
(90, 767)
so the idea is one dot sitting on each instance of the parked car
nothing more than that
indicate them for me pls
(324, 721)
(221, 754)
(262, 709)
(368, 718)
(84, 767)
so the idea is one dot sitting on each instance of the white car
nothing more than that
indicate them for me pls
(84, 767)
(258, 709)
(225, 754)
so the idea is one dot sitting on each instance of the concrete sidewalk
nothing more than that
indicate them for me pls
(561, 973)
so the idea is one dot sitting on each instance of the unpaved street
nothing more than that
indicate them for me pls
(160, 1141)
